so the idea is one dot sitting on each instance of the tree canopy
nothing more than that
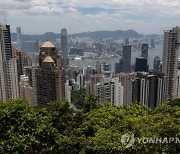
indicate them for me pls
(56, 128)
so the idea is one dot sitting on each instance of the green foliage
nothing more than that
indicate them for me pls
(78, 98)
(102, 128)
(22, 130)
(90, 103)
(55, 128)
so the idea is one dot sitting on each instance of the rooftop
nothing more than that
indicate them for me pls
(48, 59)
(48, 44)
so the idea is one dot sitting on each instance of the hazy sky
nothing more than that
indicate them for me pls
(39, 16)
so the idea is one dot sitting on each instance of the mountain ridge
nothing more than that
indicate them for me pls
(94, 35)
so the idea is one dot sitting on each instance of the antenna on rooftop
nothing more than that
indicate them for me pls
(4, 18)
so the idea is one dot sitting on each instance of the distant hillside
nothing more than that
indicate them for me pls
(94, 35)
(42, 37)
(107, 34)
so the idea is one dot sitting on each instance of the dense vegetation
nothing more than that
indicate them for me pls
(78, 97)
(55, 128)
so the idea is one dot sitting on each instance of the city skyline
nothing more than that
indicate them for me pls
(146, 17)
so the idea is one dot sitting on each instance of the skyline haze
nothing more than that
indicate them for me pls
(40, 16)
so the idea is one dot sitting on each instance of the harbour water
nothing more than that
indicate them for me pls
(83, 63)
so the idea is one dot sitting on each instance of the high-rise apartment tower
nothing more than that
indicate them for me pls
(170, 58)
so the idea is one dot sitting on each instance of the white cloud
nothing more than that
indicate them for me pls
(141, 15)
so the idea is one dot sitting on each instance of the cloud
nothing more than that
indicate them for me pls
(89, 15)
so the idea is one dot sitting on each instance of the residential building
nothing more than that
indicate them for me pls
(9, 88)
(170, 58)
(25, 90)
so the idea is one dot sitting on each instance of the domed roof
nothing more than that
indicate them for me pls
(48, 44)
(48, 59)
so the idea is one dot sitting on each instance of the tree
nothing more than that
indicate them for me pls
(91, 103)
(78, 98)
(56, 128)
(22, 130)
(102, 128)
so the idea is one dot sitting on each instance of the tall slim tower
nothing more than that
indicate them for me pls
(5, 39)
(9, 88)
(19, 38)
(170, 58)
(126, 60)
(64, 47)
(144, 50)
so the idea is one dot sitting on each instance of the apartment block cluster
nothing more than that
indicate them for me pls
(20, 79)
(55, 79)
(133, 84)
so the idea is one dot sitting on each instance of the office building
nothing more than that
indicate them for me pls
(64, 48)
(98, 67)
(141, 65)
(19, 39)
(157, 64)
(152, 44)
(118, 66)
(144, 50)
(170, 58)
(126, 59)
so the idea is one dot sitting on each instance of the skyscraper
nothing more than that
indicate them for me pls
(144, 50)
(118, 66)
(170, 58)
(49, 76)
(98, 67)
(5, 38)
(64, 48)
(152, 43)
(126, 60)
(19, 38)
(9, 88)
(141, 65)
(157, 64)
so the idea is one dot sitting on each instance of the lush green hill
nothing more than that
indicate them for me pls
(99, 129)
